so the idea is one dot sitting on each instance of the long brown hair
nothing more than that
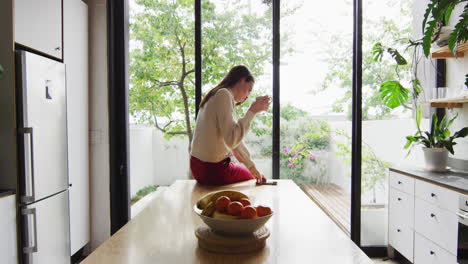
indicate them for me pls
(234, 75)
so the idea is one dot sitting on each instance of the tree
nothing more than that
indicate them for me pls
(162, 56)
(339, 57)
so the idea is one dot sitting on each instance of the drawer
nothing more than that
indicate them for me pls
(401, 182)
(400, 237)
(426, 252)
(401, 208)
(436, 224)
(436, 195)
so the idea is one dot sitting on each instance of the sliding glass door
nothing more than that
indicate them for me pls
(316, 73)
(238, 32)
(161, 93)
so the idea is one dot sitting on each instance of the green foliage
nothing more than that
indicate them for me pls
(466, 80)
(339, 58)
(393, 94)
(373, 169)
(304, 141)
(439, 135)
(162, 58)
(143, 192)
(439, 12)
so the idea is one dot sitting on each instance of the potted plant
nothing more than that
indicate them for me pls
(437, 142)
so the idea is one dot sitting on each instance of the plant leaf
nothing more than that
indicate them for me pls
(400, 60)
(429, 8)
(448, 13)
(417, 89)
(427, 38)
(393, 94)
(418, 118)
(377, 51)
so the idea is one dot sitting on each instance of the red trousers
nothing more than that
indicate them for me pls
(219, 173)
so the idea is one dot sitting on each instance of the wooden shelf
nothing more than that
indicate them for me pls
(445, 52)
(449, 103)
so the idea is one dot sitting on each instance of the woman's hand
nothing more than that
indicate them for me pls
(258, 176)
(261, 104)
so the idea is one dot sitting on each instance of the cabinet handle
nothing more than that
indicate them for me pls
(399, 182)
(398, 230)
(399, 199)
(433, 215)
(433, 195)
(432, 252)
(57, 48)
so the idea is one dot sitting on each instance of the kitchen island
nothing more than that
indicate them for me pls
(164, 231)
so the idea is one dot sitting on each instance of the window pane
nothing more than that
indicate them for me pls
(161, 96)
(238, 32)
(316, 72)
(389, 23)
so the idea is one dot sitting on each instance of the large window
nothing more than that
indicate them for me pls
(315, 121)
(316, 94)
(238, 32)
(162, 92)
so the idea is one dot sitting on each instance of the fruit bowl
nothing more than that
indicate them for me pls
(233, 226)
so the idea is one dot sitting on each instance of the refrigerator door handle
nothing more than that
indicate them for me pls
(33, 248)
(28, 152)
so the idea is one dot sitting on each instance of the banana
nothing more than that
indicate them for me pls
(209, 209)
(219, 215)
(211, 197)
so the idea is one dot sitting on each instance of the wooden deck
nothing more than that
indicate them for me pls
(333, 200)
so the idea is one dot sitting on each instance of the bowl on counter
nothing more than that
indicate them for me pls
(233, 226)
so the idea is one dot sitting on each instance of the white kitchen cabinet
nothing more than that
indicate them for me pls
(436, 195)
(401, 222)
(8, 239)
(426, 252)
(423, 224)
(437, 224)
(401, 182)
(76, 62)
(38, 25)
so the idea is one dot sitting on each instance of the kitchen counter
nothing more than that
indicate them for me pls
(164, 231)
(4, 193)
(454, 180)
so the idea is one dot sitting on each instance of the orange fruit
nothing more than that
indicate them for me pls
(235, 208)
(245, 202)
(263, 210)
(249, 212)
(222, 203)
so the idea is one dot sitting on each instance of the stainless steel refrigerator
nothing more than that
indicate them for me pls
(42, 142)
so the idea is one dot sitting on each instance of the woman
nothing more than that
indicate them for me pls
(217, 133)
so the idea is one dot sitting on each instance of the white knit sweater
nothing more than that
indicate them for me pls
(217, 133)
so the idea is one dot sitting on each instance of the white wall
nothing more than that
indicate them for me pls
(75, 42)
(155, 160)
(456, 70)
(99, 124)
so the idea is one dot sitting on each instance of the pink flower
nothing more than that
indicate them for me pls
(311, 157)
(296, 155)
(290, 165)
(285, 150)
(290, 160)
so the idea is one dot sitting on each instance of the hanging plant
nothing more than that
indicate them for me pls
(438, 12)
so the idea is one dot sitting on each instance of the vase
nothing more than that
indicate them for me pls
(436, 159)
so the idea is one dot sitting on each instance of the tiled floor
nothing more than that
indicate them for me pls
(381, 261)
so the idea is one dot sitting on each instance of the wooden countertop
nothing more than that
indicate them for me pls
(164, 231)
